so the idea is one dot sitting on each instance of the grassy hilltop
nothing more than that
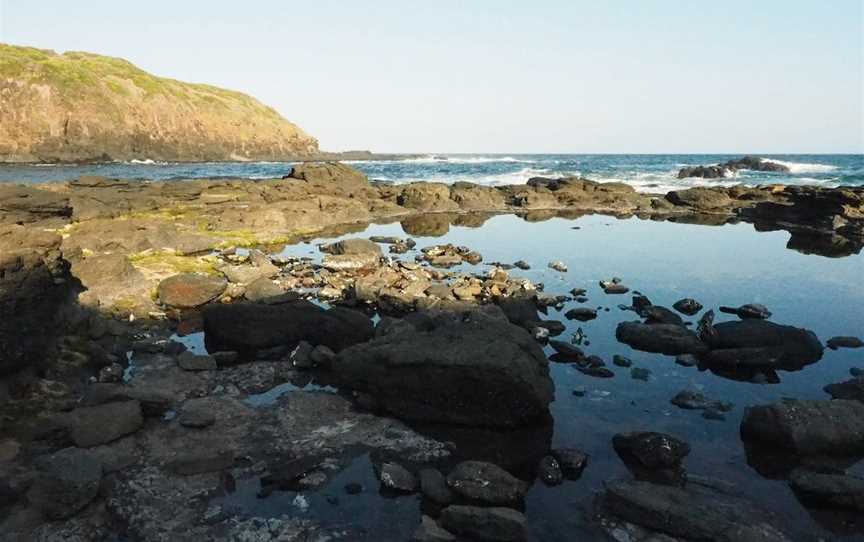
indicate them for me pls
(81, 106)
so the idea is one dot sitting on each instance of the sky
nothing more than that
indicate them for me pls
(654, 76)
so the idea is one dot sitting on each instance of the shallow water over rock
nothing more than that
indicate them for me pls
(729, 265)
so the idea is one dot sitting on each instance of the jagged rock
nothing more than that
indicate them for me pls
(486, 483)
(470, 369)
(246, 327)
(493, 524)
(66, 482)
(667, 339)
(190, 290)
(807, 427)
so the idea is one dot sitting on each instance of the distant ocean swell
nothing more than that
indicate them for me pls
(656, 173)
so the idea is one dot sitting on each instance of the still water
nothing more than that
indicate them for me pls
(716, 265)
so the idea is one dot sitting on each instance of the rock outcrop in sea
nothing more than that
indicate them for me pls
(77, 107)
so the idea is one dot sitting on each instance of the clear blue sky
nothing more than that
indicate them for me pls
(502, 76)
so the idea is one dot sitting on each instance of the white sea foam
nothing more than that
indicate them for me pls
(799, 167)
(499, 179)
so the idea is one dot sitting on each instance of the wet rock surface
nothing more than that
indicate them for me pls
(447, 368)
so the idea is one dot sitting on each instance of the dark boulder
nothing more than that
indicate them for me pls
(571, 461)
(656, 314)
(807, 427)
(784, 347)
(667, 339)
(248, 327)
(651, 450)
(487, 483)
(433, 485)
(844, 342)
(750, 310)
(849, 389)
(687, 306)
(470, 369)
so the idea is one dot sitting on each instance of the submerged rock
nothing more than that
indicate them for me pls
(468, 369)
(807, 427)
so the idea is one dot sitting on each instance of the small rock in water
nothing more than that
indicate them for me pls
(581, 314)
(687, 360)
(639, 373)
(713, 414)
(856, 371)
(621, 361)
(750, 310)
(597, 372)
(580, 391)
(613, 288)
(521, 264)
(549, 471)
(571, 461)
(568, 352)
(687, 306)
(540, 334)
(850, 389)
(397, 478)
(558, 265)
(692, 400)
(651, 450)
(844, 342)
(353, 488)
(578, 292)
(661, 315)
(594, 361)
(486, 482)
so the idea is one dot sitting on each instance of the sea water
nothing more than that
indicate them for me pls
(717, 265)
(656, 173)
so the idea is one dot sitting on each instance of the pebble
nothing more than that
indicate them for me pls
(621, 361)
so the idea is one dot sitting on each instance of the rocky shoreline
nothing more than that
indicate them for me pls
(113, 423)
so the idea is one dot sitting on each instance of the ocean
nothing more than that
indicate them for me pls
(656, 173)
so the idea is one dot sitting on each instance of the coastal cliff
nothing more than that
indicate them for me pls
(77, 107)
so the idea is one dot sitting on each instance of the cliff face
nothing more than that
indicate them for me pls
(80, 107)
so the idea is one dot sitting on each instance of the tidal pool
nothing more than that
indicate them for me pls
(716, 265)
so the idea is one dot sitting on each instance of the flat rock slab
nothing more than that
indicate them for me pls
(67, 481)
(190, 290)
(694, 513)
(92, 426)
(807, 427)
(494, 523)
